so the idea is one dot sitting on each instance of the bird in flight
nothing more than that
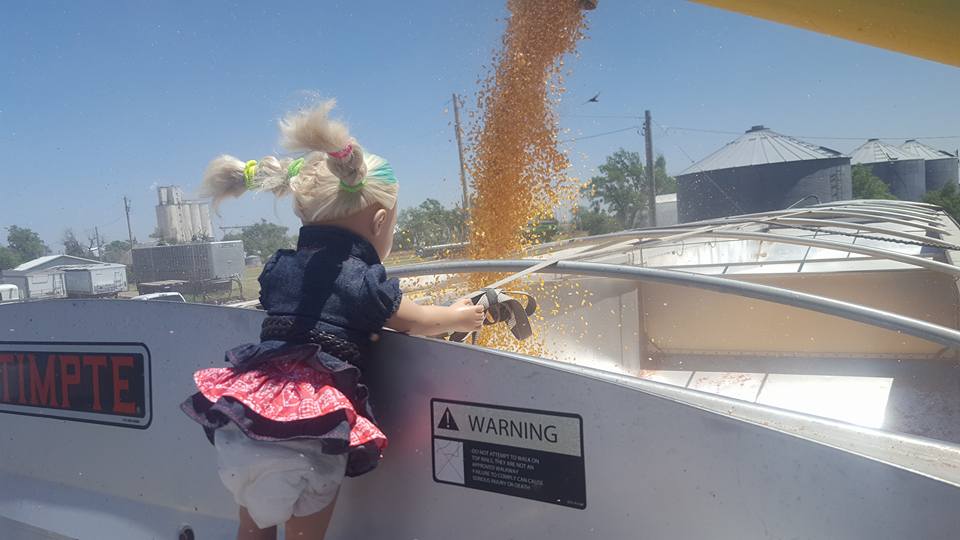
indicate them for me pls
(594, 99)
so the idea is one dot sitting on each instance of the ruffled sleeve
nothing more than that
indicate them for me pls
(380, 296)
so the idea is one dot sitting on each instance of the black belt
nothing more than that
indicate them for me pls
(295, 329)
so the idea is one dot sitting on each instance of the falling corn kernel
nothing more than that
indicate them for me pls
(518, 172)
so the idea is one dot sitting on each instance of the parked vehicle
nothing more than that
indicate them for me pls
(9, 293)
(167, 296)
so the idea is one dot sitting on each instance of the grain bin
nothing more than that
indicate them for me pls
(760, 171)
(903, 173)
(940, 168)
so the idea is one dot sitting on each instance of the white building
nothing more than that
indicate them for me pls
(666, 210)
(42, 277)
(180, 220)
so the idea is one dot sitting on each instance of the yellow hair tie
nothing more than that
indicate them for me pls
(249, 170)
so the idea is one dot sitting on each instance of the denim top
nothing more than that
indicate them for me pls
(335, 280)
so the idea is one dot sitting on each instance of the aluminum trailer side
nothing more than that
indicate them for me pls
(654, 462)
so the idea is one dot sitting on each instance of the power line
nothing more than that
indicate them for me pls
(619, 116)
(668, 129)
(595, 135)
(865, 138)
(704, 173)
(105, 224)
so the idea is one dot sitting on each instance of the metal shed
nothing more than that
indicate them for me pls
(37, 284)
(761, 171)
(940, 168)
(902, 172)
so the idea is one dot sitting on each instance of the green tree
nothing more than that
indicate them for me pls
(664, 182)
(263, 238)
(429, 224)
(115, 251)
(8, 258)
(544, 231)
(948, 198)
(595, 221)
(868, 186)
(72, 246)
(621, 190)
(26, 243)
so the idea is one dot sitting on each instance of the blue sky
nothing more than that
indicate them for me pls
(104, 99)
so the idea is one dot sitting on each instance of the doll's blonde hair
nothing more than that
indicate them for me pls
(334, 179)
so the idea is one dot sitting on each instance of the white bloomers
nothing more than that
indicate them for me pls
(277, 480)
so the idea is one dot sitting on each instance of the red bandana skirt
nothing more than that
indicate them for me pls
(279, 392)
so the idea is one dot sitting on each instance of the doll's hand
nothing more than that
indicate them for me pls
(467, 316)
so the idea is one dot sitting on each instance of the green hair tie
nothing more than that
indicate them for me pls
(249, 170)
(353, 189)
(294, 168)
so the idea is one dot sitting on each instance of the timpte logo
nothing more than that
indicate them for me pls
(94, 383)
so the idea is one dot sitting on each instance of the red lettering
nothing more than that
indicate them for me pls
(4, 360)
(95, 363)
(66, 379)
(47, 392)
(121, 407)
(20, 372)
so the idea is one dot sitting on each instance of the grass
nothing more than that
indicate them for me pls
(251, 287)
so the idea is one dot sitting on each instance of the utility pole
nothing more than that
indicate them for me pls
(126, 206)
(651, 186)
(463, 174)
(96, 231)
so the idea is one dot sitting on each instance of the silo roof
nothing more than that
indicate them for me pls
(761, 146)
(877, 151)
(920, 150)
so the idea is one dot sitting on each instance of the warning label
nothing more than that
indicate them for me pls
(520, 452)
(447, 421)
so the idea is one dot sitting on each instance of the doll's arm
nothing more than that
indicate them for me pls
(412, 318)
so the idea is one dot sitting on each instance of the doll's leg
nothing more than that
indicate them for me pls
(248, 530)
(313, 526)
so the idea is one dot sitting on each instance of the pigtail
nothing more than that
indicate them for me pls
(313, 130)
(223, 178)
(273, 174)
(334, 178)
(227, 176)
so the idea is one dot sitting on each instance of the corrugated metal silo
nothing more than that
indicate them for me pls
(761, 171)
(940, 168)
(195, 220)
(167, 222)
(205, 219)
(903, 173)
